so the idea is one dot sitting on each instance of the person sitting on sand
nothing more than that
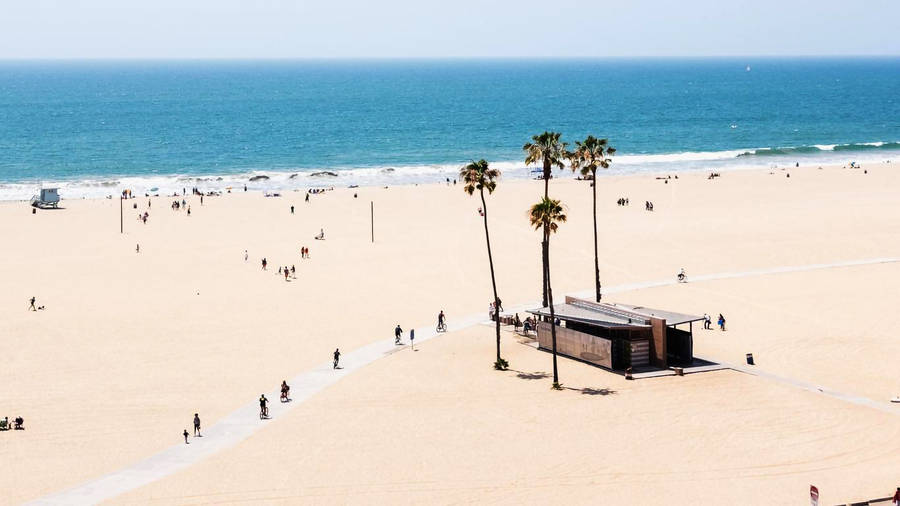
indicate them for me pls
(321, 236)
(20, 423)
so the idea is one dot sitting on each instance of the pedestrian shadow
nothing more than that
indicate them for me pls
(531, 375)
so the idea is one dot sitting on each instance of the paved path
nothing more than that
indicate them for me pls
(242, 423)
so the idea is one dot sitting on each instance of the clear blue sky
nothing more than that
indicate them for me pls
(449, 28)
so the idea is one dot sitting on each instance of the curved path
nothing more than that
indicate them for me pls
(242, 423)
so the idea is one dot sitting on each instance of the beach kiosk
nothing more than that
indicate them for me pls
(46, 198)
(617, 336)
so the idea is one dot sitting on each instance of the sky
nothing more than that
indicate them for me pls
(139, 29)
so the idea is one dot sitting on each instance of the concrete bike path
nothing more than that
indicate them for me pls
(242, 423)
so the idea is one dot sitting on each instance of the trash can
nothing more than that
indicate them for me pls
(749, 359)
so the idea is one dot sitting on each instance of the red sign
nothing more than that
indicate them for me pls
(813, 496)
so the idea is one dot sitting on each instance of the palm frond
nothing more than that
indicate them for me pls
(547, 212)
(479, 176)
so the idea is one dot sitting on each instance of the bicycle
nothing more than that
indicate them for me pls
(441, 327)
(263, 408)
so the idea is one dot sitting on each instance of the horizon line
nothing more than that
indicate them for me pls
(439, 58)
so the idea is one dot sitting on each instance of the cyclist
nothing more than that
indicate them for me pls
(263, 409)
(285, 391)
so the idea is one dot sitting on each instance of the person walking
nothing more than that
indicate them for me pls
(186, 434)
(896, 500)
(137, 248)
(721, 322)
(337, 357)
(707, 322)
(398, 332)
(197, 425)
(32, 308)
(246, 256)
(292, 209)
(412, 339)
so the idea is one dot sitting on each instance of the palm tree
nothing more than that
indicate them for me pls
(548, 214)
(546, 149)
(478, 176)
(588, 156)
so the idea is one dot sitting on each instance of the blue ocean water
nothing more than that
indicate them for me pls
(93, 126)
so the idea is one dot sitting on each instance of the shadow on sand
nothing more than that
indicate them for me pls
(531, 375)
(592, 391)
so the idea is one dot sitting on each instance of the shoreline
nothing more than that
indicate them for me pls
(285, 181)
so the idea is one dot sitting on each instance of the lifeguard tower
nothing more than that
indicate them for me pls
(48, 198)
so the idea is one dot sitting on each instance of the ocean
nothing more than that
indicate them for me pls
(96, 127)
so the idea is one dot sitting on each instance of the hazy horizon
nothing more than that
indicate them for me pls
(466, 29)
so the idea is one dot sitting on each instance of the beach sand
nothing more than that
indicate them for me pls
(132, 344)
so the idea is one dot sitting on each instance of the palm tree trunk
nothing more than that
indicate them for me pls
(487, 238)
(552, 312)
(596, 256)
(545, 249)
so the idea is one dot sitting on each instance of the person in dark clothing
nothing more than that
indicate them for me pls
(32, 305)
(263, 406)
(398, 332)
(197, 425)
(337, 357)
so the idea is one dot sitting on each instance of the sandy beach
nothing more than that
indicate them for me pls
(131, 345)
